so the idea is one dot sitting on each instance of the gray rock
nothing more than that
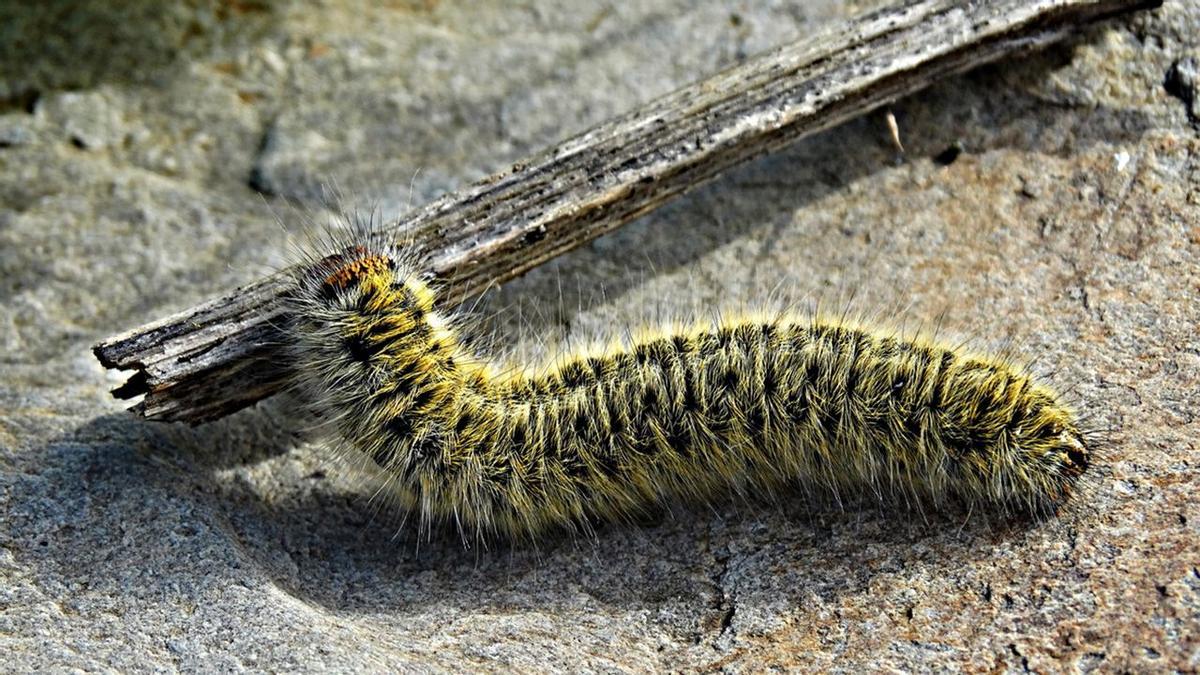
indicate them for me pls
(1066, 227)
(14, 133)
(88, 120)
(1183, 82)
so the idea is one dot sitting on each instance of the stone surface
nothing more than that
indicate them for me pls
(132, 142)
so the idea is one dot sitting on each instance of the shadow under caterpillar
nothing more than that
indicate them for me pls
(748, 404)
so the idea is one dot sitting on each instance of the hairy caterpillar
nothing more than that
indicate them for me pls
(750, 404)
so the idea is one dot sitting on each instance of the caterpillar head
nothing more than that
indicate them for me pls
(369, 266)
(341, 272)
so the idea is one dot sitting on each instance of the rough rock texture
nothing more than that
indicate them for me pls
(1050, 203)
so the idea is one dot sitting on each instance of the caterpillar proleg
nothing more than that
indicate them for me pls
(687, 412)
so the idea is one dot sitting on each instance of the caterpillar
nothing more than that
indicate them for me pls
(688, 412)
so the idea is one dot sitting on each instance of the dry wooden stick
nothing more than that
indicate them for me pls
(212, 360)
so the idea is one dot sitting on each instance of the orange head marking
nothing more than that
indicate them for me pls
(357, 269)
